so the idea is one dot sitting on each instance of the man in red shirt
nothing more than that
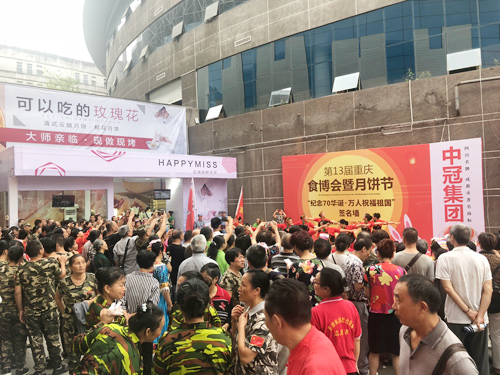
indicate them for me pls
(288, 318)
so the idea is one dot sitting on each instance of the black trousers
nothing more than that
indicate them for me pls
(476, 344)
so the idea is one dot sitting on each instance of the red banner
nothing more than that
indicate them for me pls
(395, 182)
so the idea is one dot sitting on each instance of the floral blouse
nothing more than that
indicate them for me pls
(305, 271)
(382, 278)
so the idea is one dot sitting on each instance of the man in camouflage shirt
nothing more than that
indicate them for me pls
(194, 348)
(35, 300)
(12, 332)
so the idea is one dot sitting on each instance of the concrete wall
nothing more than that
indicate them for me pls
(353, 121)
(262, 21)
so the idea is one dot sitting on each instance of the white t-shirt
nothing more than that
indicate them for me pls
(339, 259)
(467, 271)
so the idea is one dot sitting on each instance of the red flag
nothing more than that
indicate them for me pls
(190, 210)
(239, 209)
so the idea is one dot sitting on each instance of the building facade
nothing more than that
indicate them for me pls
(34, 68)
(165, 51)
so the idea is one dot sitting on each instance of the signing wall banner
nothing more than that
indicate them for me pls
(37, 116)
(430, 187)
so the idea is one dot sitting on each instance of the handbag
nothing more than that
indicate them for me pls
(495, 296)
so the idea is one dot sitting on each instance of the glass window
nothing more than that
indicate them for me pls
(85, 79)
(279, 50)
(39, 70)
(29, 68)
(77, 77)
(19, 67)
(435, 38)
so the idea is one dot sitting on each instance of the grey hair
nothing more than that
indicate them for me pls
(461, 233)
(198, 244)
(97, 245)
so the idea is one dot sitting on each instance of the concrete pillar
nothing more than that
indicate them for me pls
(13, 204)
(87, 204)
(110, 202)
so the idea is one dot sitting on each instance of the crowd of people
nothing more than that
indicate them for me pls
(313, 296)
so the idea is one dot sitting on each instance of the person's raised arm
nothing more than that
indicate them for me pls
(229, 228)
(163, 226)
(130, 219)
(152, 225)
(257, 230)
(274, 226)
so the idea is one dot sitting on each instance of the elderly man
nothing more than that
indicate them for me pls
(198, 259)
(466, 278)
(424, 337)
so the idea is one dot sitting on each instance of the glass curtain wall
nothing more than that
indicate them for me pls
(402, 42)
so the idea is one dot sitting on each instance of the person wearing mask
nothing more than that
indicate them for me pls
(255, 348)
(79, 286)
(115, 349)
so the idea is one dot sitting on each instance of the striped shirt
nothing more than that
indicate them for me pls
(278, 262)
(141, 287)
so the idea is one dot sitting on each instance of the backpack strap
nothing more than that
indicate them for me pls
(412, 261)
(125, 255)
(333, 258)
(450, 350)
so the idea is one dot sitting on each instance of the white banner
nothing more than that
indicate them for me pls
(36, 161)
(457, 185)
(210, 197)
(56, 118)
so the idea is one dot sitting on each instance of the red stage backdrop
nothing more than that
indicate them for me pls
(430, 187)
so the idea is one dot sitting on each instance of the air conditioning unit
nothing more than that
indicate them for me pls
(70, 213)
